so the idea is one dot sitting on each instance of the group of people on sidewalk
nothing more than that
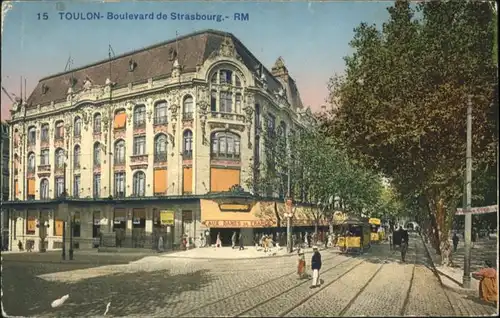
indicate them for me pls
(315, 266)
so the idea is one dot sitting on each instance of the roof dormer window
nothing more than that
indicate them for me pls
(45, 88)
(132, 65)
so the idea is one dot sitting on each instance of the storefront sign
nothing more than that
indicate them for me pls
(167, 217)
(239, 224)
(225, 207)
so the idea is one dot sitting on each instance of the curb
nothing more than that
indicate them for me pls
(438, 274)
(294, 253)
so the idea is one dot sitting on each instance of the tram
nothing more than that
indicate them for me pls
(354, 235)
(376, 235)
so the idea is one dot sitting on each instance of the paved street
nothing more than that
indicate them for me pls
(374, 284)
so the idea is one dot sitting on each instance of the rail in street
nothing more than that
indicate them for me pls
(375, 283)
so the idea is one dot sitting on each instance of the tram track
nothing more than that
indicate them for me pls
(301, 284)
(287, 274)
(407, 297)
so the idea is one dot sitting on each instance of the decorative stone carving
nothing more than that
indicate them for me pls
(216, 125)
(226, 49)
(174, 111)
(172, 139)
(150, 114)
(105, 122)
(176, 69)
(174, 124)
(87, 84)
(129, 110)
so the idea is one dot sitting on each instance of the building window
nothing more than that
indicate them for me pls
(59, 182)
(76, 224)
(257, 151)
(44, 157)
(97, 123)
(59, 158)
(31, 163)
(139, 145)
(76, 187)
(283, 132)
(140, 116)
(226, 102)
(76, 157)
(44, 189)
(120, 184)
(97, 186)
(188, 144)
(120, 152)
(257, 117)
(97, 155)
(161, 113)
(77, 128)
(221, 99)
(31, 136)
(161, 148)
(213, 101)
(225, 145)
(139, 184)
(187, 108)
(45, 133)
(271, 126)
(59, 132)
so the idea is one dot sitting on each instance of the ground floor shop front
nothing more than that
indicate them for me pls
(149, 223)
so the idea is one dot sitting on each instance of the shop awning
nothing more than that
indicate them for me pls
(236, 214)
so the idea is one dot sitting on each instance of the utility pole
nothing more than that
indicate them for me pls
(468, 181)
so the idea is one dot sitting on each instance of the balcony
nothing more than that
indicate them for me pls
(59, 169)
(58, 141)
(160, 120)
(160, 159)
(43, 170)
(119, 133)
(227, 116)
(139, 161)
(31, 172)
(97, 167)
(187, 116)
(44, 142)
(225, 160)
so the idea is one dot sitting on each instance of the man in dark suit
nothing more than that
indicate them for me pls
(316, 266)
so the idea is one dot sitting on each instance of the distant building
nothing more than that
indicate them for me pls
(149, 138)
(4, 182)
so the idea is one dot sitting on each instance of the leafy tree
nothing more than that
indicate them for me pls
(403, 103)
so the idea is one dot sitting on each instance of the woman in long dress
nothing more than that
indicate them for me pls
(218, 242)
(301, 266)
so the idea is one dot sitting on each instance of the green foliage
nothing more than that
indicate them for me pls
(404, 96)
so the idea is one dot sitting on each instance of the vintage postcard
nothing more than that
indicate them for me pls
(249, 158)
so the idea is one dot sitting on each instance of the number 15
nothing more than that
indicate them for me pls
(44, 16)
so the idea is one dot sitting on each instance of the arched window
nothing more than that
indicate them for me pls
(76, 157)
(225, 145)
(44, 135)
(97, 123)
(188, 144)
(139, 116)
(161, 148)
(97, 154)
(161, 113)
(59, 158)
(77, 127)
(139, 184)
(59, 132)
(31, 136)
(187, 107)
(44, 189)
(222, 100)
(120, 152)
(31, 162)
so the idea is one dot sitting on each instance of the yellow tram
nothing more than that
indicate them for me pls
(376, 235)
(354, 235)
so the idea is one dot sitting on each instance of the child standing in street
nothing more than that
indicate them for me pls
(301, 268)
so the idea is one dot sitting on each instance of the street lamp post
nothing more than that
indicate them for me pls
(43, 226)
(71, 224)
(468, 195)
(289, 214)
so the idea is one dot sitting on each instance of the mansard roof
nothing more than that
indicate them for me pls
(151, 62)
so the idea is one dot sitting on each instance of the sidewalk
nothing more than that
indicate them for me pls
(250, 252)
(452, 277)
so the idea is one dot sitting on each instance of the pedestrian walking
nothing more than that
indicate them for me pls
(391, 243)
(218, 242)
(208, 241)
(160, 244)
(233, 240)
(404, 249)
(202, 240)
(241, 242)
(301, 265)
(455, 241)
(315, 266)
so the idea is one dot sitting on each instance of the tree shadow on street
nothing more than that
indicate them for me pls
(134, 293)
(479, 301)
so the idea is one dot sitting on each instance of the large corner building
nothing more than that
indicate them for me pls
(159, 141)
